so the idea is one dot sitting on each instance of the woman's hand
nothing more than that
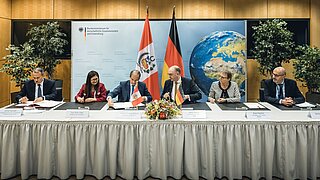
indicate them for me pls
(221, 100)
(90, 100)
(80, 99)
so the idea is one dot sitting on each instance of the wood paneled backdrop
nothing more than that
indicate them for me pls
(159, 9)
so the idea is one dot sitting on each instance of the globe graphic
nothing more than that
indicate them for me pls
(220, 50)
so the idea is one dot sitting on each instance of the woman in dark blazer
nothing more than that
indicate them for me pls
(93, 90)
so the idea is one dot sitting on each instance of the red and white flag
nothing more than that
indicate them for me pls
(146, 62)
(136, 97)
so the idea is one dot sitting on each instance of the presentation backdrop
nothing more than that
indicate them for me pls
(111, 49)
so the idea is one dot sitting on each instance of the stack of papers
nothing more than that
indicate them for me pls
(305, 105)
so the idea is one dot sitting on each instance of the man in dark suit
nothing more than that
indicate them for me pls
(280, 90)
(38, 89)
(125, 89)
(190, 90)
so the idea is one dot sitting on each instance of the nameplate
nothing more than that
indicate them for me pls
(77, 113)
(258, 115)
(134, 114)
(11, 112)
(197, 114)
(314, 114)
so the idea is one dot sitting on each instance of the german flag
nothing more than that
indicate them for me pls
(173, 51)
(179, 96)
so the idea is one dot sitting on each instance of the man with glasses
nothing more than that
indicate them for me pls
(191, 92)
(38, 89)
(280, 90)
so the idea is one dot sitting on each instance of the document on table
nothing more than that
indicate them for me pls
(305, 105)
(124, 105)
(45, 104)
(254, 106)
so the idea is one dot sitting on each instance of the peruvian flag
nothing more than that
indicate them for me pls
(173, 51)
(146, 62)
(136, 97)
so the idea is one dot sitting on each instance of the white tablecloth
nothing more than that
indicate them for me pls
(226, 144)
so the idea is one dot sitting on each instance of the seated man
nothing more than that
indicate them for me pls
(125, 89)
(280, 90)
(190, 90)
(38, 89)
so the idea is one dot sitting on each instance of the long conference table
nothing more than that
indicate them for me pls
(115, 143)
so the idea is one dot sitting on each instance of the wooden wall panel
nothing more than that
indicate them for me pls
(315, 23)
(118, 9)
(290, 74)
(246, 9)
(63, 71)
(207, 9)
(75, 9)
(5, 37)
(253, 80)
(32, 9)
(289, 8)
(4, 90)
(5, 9)
(160, 9)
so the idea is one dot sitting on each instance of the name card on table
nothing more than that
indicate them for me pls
(129, 114)
(77, 113)
(258, 115)
(11, 112)
(197, 114)
(314, 114)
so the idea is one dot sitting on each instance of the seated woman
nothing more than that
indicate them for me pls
(224, 90)
(92, 90)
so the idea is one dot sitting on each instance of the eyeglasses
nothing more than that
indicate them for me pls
(223, 77)
(277, 75)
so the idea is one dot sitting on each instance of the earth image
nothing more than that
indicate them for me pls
(219, 51)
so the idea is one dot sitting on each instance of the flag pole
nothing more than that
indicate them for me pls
(147, 8)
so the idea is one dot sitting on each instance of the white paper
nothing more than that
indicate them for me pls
(25, 104)
(196, 114)
(258, 115)
(33, 111)
(11, 112)
(314, 114)
(254, 106)
(77, 113)
(305, 105)
(134, 114)
(124, 105)
(45, 103)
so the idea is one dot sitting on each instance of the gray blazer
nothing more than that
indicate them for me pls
(233, 92)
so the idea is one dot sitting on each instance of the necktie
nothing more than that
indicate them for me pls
(175, 90)
(39, 91)
(280, 95)
(132, 89)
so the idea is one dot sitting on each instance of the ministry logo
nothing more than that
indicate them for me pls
(146, 62)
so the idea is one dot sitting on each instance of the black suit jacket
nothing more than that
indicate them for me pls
(123, 91)
(291, 90)
(49, 90)
(189, 88)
